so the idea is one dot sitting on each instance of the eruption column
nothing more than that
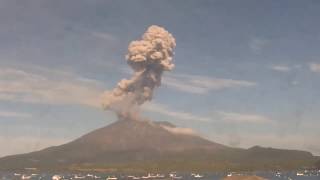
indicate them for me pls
(148, 57)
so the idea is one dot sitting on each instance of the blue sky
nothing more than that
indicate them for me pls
(247, 72)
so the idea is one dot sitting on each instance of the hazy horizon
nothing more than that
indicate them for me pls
(247, 73)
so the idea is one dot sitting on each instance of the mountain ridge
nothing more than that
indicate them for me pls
(133, 144)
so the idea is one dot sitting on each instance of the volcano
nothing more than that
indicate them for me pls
(141, 145)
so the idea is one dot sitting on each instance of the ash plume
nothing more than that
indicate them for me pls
(149, 58)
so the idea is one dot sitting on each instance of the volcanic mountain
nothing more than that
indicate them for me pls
(145, 145)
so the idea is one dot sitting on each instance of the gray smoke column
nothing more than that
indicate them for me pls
(149, 58)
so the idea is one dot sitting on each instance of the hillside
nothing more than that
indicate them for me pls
(144, 145)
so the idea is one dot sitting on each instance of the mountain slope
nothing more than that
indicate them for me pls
(145, 144)
(122, 141)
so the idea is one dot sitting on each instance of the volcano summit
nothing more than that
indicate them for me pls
(131, 145)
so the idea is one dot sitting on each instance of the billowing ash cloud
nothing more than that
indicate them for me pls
(148, 58)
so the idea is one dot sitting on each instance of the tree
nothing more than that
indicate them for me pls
(318, 164)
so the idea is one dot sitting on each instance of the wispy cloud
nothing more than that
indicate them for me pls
(285, 68)
(256, 44)
(23, 144)
(198, 84)
(202, 84)
(314, 67)
(216, 116)
(281, 68)
(104, 36)
(178, 130)
(48, 87)
(248, 139)
(240, 117)
(11, 114)
(162, 109)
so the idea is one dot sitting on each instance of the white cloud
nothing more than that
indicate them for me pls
(48, 87)
(247, 140)
(178, 130)
(285, 68)
(24, 144)
(281, 68)
(314, 67)
(201, 84)
(197, 84)
(257, 44)
(216, 116)
(11, 114)
(162, 109)
(241, 117)
(104, 36)
(183, 86)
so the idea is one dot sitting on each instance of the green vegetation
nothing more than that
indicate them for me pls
(187, 166)
(317, 164)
